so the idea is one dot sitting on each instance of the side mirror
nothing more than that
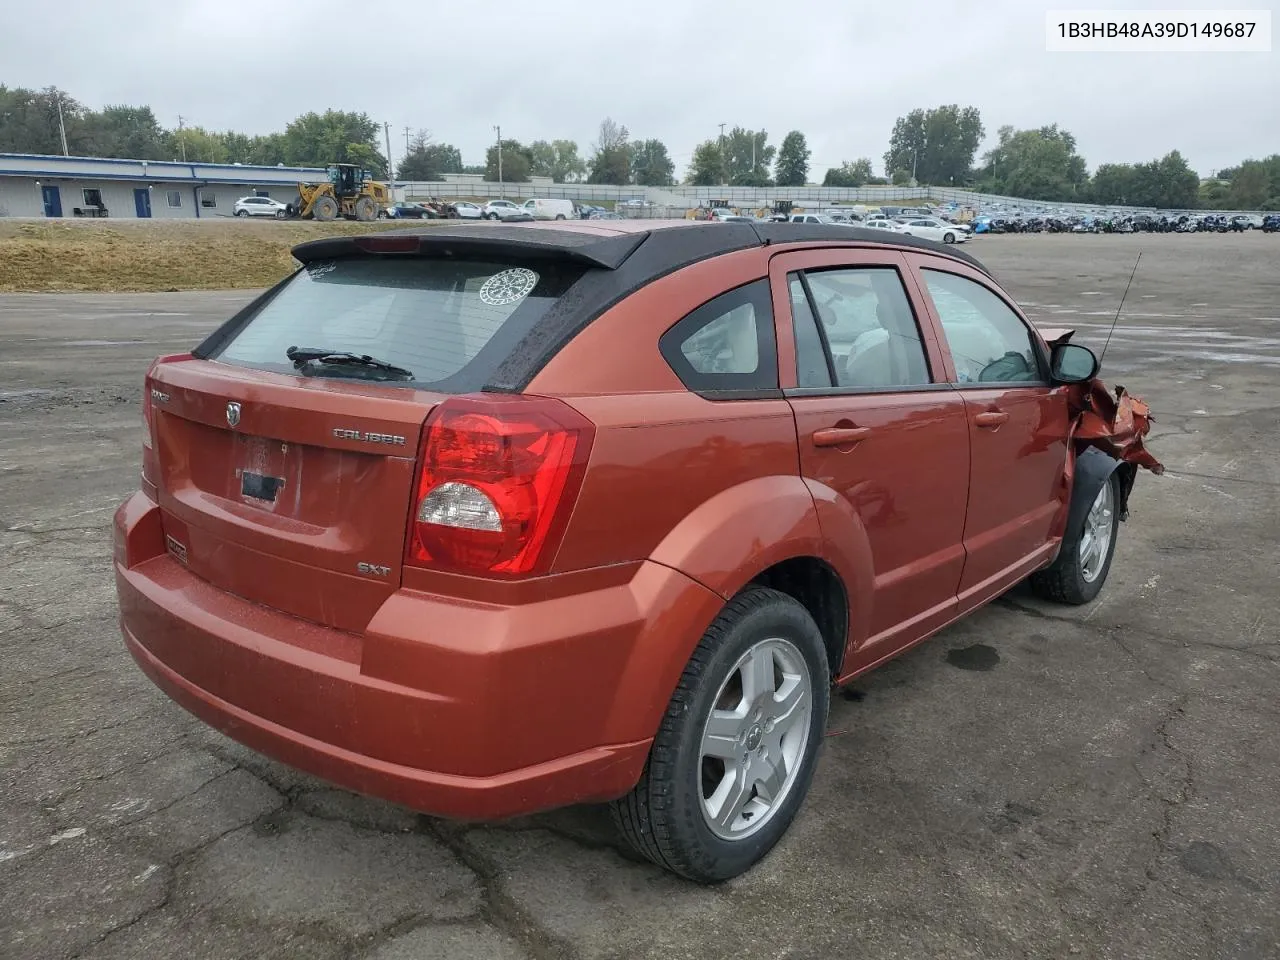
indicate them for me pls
(1072, 363)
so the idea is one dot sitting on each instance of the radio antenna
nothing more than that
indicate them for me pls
(1103, 355)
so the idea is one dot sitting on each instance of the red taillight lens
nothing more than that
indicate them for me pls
(497, 476)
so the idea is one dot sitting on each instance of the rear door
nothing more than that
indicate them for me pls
(878, 423)
(1018, 422)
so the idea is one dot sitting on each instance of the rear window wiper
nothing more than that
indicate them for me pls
(304, 357)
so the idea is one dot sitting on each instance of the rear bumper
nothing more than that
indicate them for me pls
(465, 710)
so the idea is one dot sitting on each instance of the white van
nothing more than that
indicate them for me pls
(550, 209)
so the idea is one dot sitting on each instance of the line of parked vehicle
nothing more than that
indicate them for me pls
(508, 211)
(909, 221)
(1138, 223)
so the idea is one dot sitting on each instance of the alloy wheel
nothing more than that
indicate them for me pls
(1099, 526)
(754, 740)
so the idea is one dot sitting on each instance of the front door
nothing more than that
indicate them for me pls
(1018, 422)
(879, 425)
(52, 201)
(142, 202)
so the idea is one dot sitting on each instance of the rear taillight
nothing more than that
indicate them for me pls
(497, 477)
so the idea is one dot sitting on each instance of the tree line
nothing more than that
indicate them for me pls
(928, 146)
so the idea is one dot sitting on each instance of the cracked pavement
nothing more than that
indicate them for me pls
(1035, 781)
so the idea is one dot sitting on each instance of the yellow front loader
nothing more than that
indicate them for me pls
(350, 192)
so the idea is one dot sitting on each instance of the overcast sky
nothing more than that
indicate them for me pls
(839, 70)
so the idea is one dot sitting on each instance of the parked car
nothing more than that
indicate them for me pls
(467, 210)
(881, 223)
(409, 211)
(810, 218)
(601, 214)
(260, 207)
(541, 209)
(1246, 221)
(601, 547)
(937, 230)
(501, 209)
(1271, 223)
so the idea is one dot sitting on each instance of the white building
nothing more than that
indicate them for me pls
(48, 186)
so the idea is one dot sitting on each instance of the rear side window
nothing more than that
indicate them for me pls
(869, 327)
(812, 369)
(433, 317)
(727, 344)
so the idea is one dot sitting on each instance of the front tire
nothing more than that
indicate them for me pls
(737, 746)
(948, 237)
(325, 209)
(1084, 560)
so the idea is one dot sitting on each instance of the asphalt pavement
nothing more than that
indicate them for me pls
(1036, 781)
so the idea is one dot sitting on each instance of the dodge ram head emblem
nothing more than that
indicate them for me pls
(233, 413)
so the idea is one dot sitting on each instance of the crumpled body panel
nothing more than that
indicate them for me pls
(1115, 423)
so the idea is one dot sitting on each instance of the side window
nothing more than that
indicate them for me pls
(869, 326)
(988, 341)
(726, 344)
(811, 355)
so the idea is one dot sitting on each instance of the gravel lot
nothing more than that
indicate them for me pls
(1034, 782)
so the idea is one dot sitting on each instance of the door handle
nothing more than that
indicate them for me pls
(839, 436)
(991, 418)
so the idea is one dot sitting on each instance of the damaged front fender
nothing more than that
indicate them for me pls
(1115, 424)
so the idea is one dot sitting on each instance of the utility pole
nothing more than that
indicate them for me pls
(62, 127)
(386, 131)
(182, 140)
(724, 161)
(501, 190)
(406, 139)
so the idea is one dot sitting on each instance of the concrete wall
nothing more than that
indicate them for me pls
(753, 197)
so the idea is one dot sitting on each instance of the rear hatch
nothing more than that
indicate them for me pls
(289, 483)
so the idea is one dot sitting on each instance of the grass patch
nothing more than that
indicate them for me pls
(156, 255)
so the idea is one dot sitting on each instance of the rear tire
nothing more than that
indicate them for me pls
(735, 753)
(559, 216)
(242, 213)
(1084, 560)
(366, 210)
(325, 209)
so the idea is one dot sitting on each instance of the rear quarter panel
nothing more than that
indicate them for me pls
(669, 468)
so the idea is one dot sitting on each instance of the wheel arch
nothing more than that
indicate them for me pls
(1089, 471)
(793, 534)
(815, 585)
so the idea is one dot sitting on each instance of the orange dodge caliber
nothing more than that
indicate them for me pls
(489, 519)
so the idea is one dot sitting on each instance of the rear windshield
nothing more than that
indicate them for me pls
(450, 322)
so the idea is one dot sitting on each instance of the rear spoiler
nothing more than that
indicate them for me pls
(589, 249)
